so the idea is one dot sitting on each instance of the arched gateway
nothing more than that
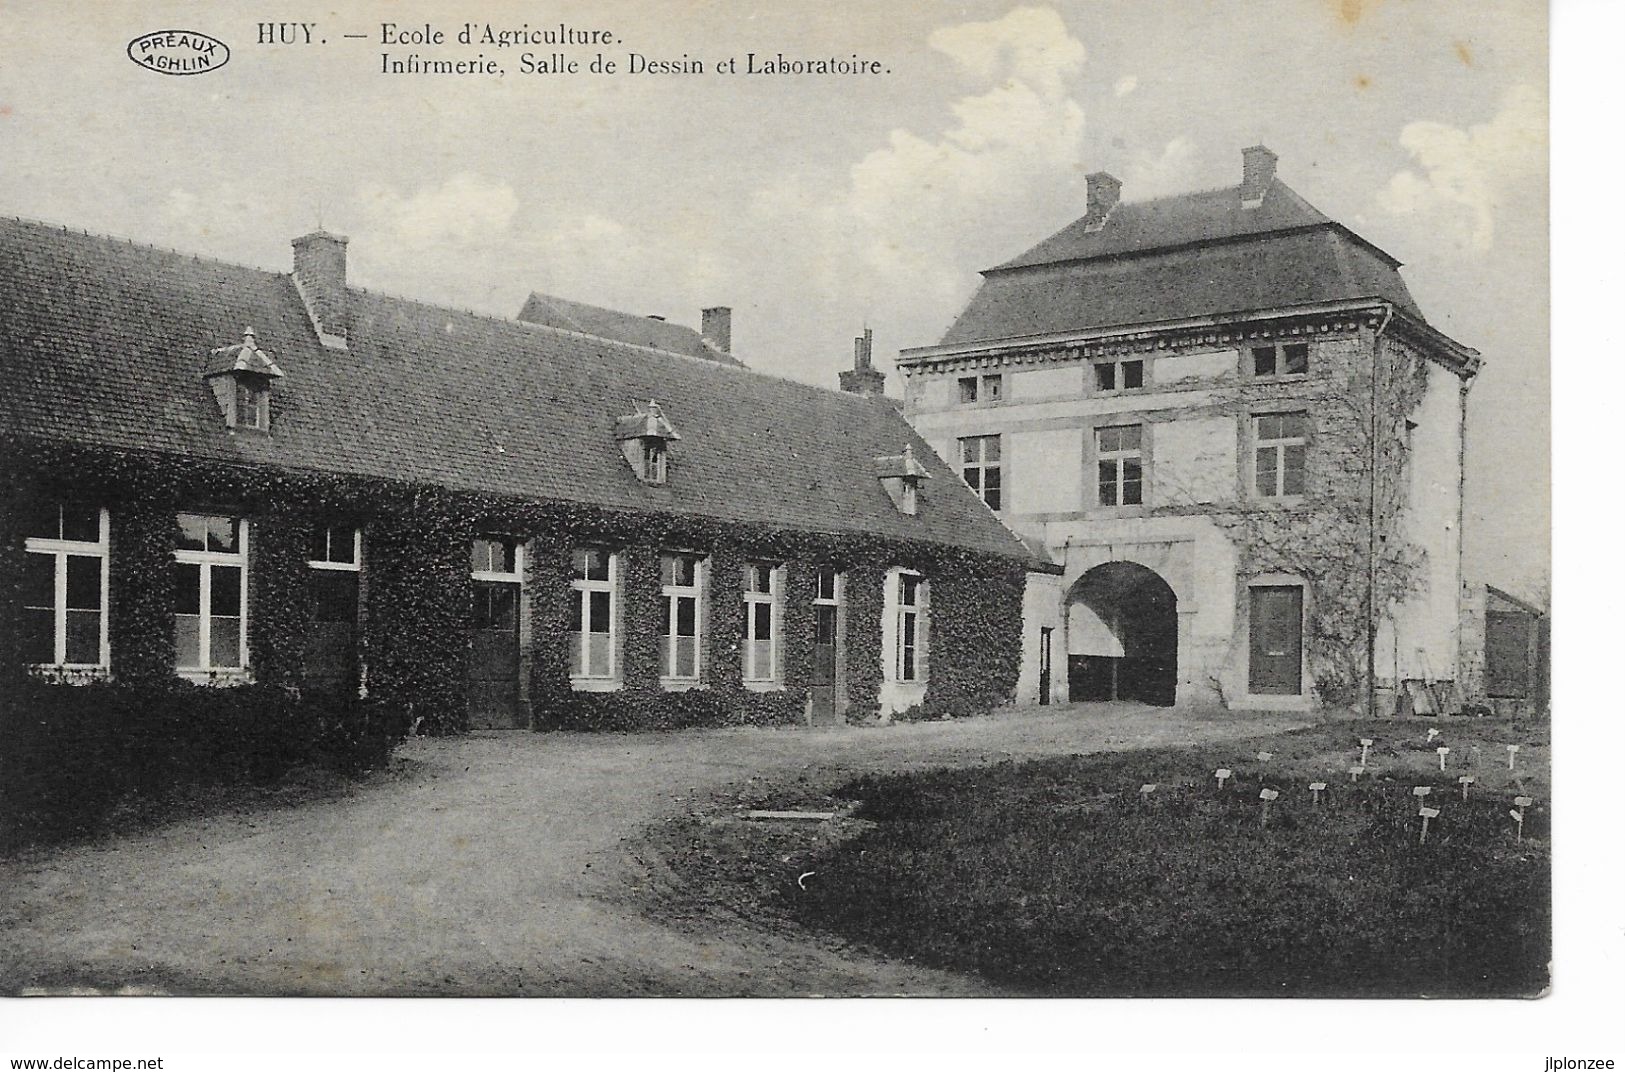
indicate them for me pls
(1122, 635)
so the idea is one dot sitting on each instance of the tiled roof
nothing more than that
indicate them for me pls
(104, 342)
(613, 324)
(1194, 255)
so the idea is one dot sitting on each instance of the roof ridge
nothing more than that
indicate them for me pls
(126, 240)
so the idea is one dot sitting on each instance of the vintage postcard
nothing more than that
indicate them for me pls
(756, 499)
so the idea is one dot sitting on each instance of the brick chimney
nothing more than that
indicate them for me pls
(717, 327)
(1101, 191)
(319, 275)
(1257, 172)
(863, 378)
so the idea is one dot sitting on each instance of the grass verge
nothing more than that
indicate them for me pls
(1060, 877)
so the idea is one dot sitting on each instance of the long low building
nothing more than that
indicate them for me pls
(231, 474)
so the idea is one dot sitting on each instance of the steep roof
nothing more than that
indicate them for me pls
(1192, 255)
(104, 342)
(613, 324)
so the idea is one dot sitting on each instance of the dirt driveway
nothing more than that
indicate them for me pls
(498, 864)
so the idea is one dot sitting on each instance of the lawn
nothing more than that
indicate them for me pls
(1062, 877)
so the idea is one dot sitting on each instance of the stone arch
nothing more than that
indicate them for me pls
(1122, 635)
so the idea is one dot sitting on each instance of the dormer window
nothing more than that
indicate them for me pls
(241, 377)
(645, 437)
(900, 475)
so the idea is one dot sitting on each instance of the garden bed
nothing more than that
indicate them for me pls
(1063, 877)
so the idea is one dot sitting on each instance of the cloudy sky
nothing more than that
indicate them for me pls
(815, 206)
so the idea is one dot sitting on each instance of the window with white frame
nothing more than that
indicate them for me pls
(1286, 359)
(211, 593)
(681, 582)
(1119, 375)
(1280, 454)
(763, 588)
(982, 469)
(911, 598)
(253, 403)
(593, 613)
(335, 559)
(827, 607)
(975, 389)
(64, 593)
(1120, 465)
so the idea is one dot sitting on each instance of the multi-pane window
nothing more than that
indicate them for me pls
(989, 388)
(335, 562)
(495, 559)
(1119, 375)
(64, 594)
(910, 626)
(760, 648)
(593, 613)
(827, 607)
(1280, 453)
(1120, 465)
(253, 404)
(1287, 359)
(654, 461)
(211, 592)
(980, 466)
(681, 577)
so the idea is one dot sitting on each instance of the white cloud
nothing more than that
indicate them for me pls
(466, 208)
(1173, 170)
(921, 213)
(1470, 173)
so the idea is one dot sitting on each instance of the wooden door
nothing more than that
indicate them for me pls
(1275, 624)
(330, 641)
(822, 691)
(493, 680)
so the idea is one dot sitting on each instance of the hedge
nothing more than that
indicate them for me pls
(73, 754)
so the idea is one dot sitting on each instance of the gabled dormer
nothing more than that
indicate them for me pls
(241, 376)
(900, 475)
(645, 438)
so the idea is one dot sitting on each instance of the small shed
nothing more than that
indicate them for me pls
(1516, 653)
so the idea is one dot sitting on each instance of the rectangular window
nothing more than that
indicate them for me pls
(826, 609)
(253, 405)
(980, 466)
(1119, 375)
(910, 626)
(1120, 465)
(1288, 359)
(211, 593)
(1280, 454)
(64, 594)
(681, 579)
(760, 647)
(593, 613)
(654, 461)
(974, 389)
(336, 547)
(495, 559)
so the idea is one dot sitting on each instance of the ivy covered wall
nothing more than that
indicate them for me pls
(417, 603)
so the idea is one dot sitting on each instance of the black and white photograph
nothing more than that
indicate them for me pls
(760, 500)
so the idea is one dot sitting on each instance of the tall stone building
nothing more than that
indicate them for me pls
(1224, 418)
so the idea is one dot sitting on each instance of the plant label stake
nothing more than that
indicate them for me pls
(1517, 817)
(1421, 791)
(1426, 814)
(1267, 795)
(1512, 756)
(1265, 757)
(1317, 788)
(1432, 734)
(1221, 774)
(1355, 772)
(1146, 790)
(1522, 803)
(1465, 780)
(1443, 751)
(1365, 750)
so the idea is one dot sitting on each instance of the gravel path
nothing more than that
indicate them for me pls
(491, 865)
